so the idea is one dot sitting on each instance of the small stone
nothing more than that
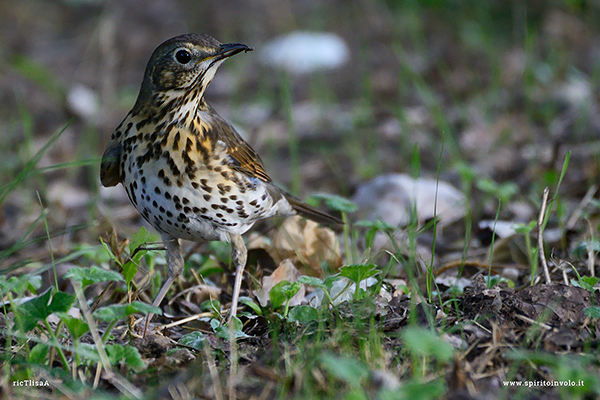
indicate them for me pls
(83, 102)
(305, 52)
(392, 197)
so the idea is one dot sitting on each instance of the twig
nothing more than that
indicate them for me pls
(534, 322)
(564, 273)
(540, 227)
(187, 319)
(97, 376)
(101, 296)
(591, 254)
(196, 277)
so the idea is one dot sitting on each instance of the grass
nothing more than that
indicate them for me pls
(309, 351)
(414, 338)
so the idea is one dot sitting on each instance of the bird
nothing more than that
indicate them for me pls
(185, 169)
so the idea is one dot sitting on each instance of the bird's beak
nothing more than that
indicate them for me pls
(231, 49)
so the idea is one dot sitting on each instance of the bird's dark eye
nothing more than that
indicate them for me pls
(183, 56)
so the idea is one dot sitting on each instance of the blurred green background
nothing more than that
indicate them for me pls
(499, 90)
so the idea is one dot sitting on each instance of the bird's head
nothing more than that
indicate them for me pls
(184, 66)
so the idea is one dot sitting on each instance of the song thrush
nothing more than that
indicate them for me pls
(186, 169)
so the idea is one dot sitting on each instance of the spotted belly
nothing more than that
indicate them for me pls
(207, 207)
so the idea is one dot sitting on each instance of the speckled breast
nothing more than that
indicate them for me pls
(188, 194)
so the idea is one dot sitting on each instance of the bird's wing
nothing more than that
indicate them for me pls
(110, 174)
(110, 166)
(244, 158)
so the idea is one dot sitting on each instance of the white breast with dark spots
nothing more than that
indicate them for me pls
(207, 204)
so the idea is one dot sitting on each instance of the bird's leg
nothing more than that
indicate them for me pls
(239, 255)
(175, 266)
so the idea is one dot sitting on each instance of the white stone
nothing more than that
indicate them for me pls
(392, 198)
(83, 102)
(305, 52)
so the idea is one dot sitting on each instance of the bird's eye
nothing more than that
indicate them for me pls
(183, 56)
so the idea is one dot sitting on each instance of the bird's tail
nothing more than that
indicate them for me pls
(310, 212)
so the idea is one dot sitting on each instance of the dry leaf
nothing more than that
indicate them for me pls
(305, 242)
(285, 272)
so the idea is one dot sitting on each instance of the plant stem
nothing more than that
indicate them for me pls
(493, 241)
(57, 345)
(349, 257)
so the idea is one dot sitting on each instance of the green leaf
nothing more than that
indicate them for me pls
(592, 312)
(303, 313)
(312, 281)
(525, 228)
(358, 273)
(89, 353)
(215, 324)
(415, 389)
(590, 280)
(370, 238)
(117, 312)
(291, 289)
(573, 368)
(209, 267)
(337, 203)
(223, 331)
(76, 327)
(34, 282)
(504, 191)
(18, 284)
(127, 355)
(329, 281)
(350, 370)
(210, 305)
(467, 172)
(130, 268)
(61, 302)
(250, 303)
(581, 283)
(38, 354)
(325, 285)
(40, 307)
(96, 254)
(194, 339)
(139, 238)
(536, 357)
(88, 276)
(110, 253)
(278, 294)
(424, 342)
